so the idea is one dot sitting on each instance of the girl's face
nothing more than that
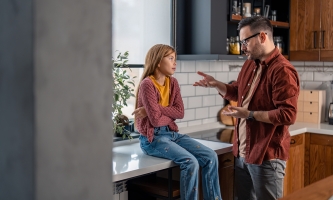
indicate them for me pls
(168, 64)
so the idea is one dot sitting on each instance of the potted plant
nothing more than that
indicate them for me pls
(122, 92)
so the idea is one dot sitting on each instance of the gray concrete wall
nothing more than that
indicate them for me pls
(56, 95)
(16, 101)
(73, 93)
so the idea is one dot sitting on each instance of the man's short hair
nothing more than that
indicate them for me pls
(257, 24)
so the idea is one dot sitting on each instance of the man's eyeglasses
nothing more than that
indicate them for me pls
(244, 42)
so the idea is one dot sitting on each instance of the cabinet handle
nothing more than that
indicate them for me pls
(292, 141)
(314, 39)
(322, 39)
(227, 160)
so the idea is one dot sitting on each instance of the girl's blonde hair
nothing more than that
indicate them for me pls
(153, 58)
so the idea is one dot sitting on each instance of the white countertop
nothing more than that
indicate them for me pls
(129, 160)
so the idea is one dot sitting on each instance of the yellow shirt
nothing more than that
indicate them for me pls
(163, 89)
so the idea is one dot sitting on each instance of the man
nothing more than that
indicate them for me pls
(266, 90)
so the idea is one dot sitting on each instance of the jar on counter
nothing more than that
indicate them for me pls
(227, 46)
(234, 47)
(279, 43)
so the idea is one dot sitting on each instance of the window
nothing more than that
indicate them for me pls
(137, 25)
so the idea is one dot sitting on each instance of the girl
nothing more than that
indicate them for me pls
(158, 105)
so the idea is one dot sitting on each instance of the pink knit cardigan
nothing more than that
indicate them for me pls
(157, 115)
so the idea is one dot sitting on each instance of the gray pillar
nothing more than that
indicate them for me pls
(16, 101)
(56, 95)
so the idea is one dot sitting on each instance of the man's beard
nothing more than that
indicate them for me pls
(256, 53)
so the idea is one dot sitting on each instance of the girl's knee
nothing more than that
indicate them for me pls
(192, 164)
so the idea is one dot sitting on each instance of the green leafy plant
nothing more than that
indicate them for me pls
(122, 92)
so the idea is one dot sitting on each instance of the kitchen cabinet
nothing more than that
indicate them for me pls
(294, 172)
(226, 175)
(321, 157)
(310, 160)
(310, 30)
(202, 27)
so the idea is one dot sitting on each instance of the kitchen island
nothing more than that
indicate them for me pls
(130, 162)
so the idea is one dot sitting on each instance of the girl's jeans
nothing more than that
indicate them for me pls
(188, 154)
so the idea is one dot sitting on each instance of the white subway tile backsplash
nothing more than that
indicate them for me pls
(187, 66)
(182, 124)
(201, 91)
(219, 101)
(232, 65)
(311, 85)
(322, 76)
(222, 76)
(189, 115)
(299, 69)
(187, 90)
(213, 111)
(182, 78)
(185, 101)
(209, 120)
(178, 66)
(193, 77)
(297, 63)
(233, 76)
(195, 102)
(201, 113)
(203, 104)
(328, 69)
(202, 66)
(328, 64)
(212, 91)
(215, 66)
(313, 64)
(194, 123)
(208, 100)
(305, 76)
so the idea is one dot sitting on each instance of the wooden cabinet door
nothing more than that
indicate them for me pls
(294, 177)
(321, 157)
(304, 30)
(226, 175)
(326, 34)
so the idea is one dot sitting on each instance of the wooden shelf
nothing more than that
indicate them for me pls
(274, 23)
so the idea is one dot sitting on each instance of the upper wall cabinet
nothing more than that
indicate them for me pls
(311, 27)
(202, 27)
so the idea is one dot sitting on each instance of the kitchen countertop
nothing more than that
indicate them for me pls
(129, 160)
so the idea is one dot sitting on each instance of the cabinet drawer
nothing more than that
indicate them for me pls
(300, 117)
(311, 117)
(310, 106)
(311, 95)
(226, 160)
(300, 105)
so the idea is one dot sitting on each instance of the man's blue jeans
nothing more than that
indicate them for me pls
(259, 182)
(189, 155)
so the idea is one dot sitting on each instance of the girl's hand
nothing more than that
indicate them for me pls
(140, 113)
